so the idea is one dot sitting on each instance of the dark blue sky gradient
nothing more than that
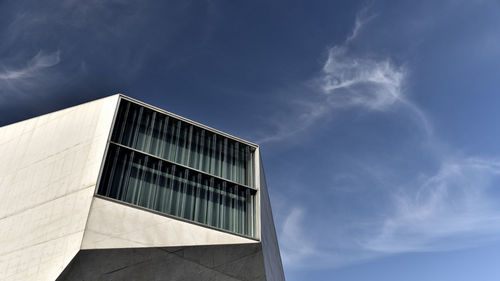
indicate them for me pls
(377, 120)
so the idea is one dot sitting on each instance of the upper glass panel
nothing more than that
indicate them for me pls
(178, 141)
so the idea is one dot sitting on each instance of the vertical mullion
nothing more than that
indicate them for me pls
(184, 191)
(251, 169)
(217, 194)
(192, 188)
(168, 190)
(242, 211)
(171, 149)
(142, 181)
(177, 142)
(149, 186)
(236, 162)
(187, 160)
(196, 152)
(202, 151)
(149, 134)
(247, 212)
(157, 142)
(210, 207)
(123, 195)
(231, 161)
(134, 189)
(163, 140)
(235, 209)
(123, 123)
(170, 198)
(124, 162)
(224, 170)
(130, 137)
(214, 148)
(220, 156)
(204, 201)
(157, 190)
(231, 209)
(183, 148)
(246, 165)
(137, 129)
(112, 172)
(222, 205)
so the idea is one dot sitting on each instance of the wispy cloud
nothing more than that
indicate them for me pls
(362, 18)
(296, 246)
(349, 81)
(18, 82)
(32, 68)
(453, 208)
(445, 209)
(452, 203)
(353, 81)
(346, 81)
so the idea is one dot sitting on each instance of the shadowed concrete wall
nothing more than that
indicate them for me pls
(271, 251)
(221, 262)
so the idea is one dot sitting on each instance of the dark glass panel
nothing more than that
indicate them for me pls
(150, 182)
(178, 141)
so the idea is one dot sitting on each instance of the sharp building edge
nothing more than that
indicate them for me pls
(115, 189)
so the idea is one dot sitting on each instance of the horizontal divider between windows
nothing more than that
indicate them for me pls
(173, 216)
(183, 166)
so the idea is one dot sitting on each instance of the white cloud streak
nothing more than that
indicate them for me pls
(20, 81)
(362, 18)
(296, 246)
(452, 203)
(353, 81)
(454, 208)
(349, 81)
(33, 67)
(450, 208)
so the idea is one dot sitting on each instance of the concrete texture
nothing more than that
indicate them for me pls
(48, 172)
(49, 216)
(114, 225)
(223, 262)
(270, 247)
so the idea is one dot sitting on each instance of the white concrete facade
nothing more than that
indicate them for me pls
(48, 172)
(49, 211)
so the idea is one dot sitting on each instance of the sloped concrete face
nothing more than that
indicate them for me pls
(270, 247)
(114, 225)
(48, 172)
(222, 262)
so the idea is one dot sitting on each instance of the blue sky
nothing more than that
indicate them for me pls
(377, 120)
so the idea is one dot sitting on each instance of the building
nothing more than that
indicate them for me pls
(116, 189)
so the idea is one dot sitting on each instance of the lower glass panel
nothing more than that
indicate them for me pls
(158, 185)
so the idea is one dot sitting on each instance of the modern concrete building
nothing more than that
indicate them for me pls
(115, 189)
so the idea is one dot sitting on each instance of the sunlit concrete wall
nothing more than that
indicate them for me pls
(115, 225)
(48, 172)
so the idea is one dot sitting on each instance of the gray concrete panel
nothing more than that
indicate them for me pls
(224, 263)
(270, 247)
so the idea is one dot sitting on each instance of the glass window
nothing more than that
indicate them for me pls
(178, 141)
(212, 185)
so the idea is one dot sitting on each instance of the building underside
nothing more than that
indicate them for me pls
(216, 262)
